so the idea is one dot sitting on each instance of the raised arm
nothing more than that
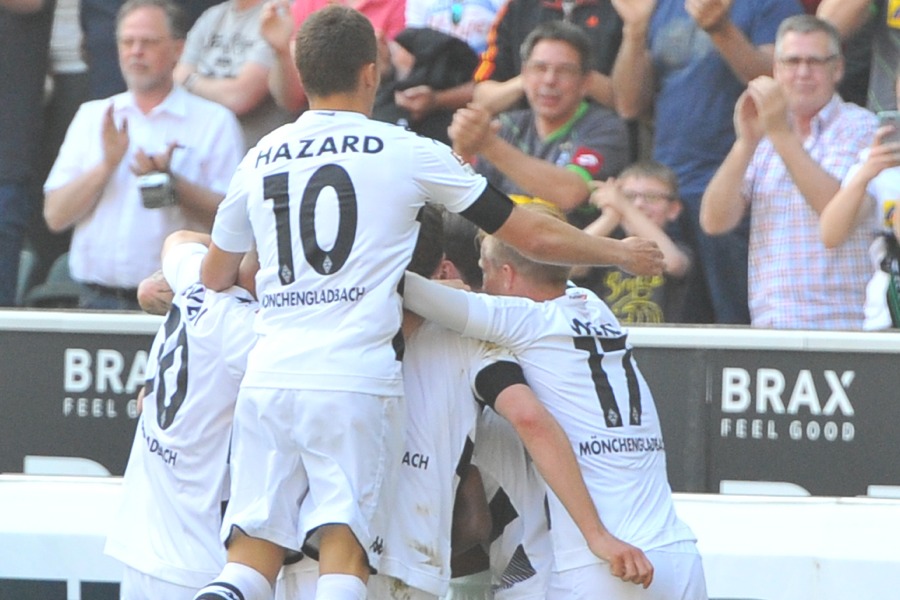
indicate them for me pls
(816, 184)
(67, 205)
(746, 60)
(723, 205)
(632, 75)
(543, 238)
(609, 197)
(848, 16)
(472, 132)
(844, 212)
(498, 96)
(277, 28)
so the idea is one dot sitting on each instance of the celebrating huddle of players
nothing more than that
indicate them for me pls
(368, 452)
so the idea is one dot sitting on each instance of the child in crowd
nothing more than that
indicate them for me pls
(642, 201)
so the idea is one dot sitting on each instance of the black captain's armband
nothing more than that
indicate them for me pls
(491, 210)
(493, 379)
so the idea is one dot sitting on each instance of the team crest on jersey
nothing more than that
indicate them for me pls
(612, 417)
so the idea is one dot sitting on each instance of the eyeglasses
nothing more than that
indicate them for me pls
(813, 62)
(649, 197)
(147, 42)
(564, 71)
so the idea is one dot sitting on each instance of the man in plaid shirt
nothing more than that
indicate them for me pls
(796, 139)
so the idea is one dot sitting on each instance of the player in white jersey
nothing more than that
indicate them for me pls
(521, 555)
(167, 529)
(331, 202)
(443, 374)
(517, 537)
(576, 357)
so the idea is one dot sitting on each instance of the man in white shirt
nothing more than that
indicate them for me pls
(188, 146)
(331, 202)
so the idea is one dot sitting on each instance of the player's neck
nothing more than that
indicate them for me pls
(540, 292)
(342, 102)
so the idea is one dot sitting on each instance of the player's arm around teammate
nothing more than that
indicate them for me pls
(550, 449)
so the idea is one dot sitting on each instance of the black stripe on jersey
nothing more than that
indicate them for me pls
(276, 187)
(465, 459)
(226, 591)
(399, 345)
(518, 570)
(605, 395)
(502, 513)
(494, 378)
(634, 390)
(491, 210)
(612, 344)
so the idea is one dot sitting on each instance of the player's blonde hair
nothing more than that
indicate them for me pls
(500, 253)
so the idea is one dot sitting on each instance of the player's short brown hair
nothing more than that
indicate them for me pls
(333, 44)
(499, 252)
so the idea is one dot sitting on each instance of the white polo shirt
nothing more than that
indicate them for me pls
(118, 243)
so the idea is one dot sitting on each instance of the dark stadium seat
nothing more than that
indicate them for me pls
(59, 290)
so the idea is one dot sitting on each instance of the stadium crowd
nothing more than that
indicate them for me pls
(659, 83)
(701, 150)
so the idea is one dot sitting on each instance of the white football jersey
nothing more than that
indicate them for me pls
(576, 357)
(177, 473)
(521, 555)
(331, 201)
(439, 370)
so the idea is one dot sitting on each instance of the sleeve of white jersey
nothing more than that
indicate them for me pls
(502, 320)
(231, 230)
(486, 355)
(444, 177)
(238, 336)
(181, 265)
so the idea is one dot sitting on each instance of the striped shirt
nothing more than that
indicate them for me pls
(794, 281)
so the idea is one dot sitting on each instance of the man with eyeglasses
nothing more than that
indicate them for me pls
(139, 165)
(796, 140)
(556, 147)
(499, 82)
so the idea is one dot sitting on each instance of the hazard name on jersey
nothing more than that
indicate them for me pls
(368, 144)
(309, 298)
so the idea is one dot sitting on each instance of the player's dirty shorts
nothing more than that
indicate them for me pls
(677, 575)
(385, 587)
(301, 459)
(137, 585)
